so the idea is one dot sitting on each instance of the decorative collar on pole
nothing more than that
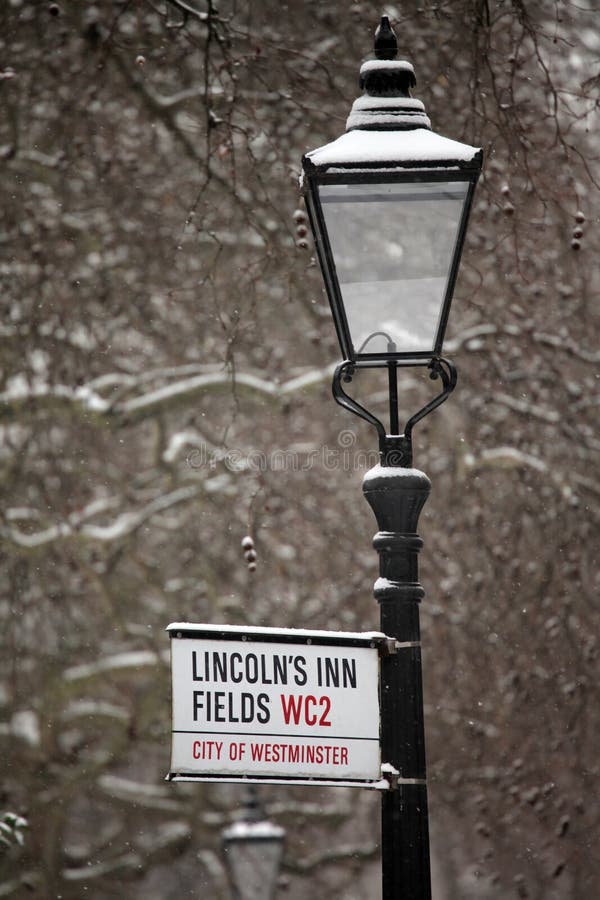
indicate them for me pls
(387, 104)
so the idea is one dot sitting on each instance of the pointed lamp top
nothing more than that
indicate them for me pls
(386, 45)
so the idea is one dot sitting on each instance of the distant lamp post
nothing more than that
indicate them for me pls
(253, 849)
(388, 204)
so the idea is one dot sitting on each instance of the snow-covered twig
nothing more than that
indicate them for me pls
(151, 796)
(123, 526)
(333, 854)
(186, 390)
(128, 862)
(88, 401)
(506, 457)
(528, 409)
(132, 659)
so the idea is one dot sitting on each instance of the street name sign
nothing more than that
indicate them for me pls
(275, 705)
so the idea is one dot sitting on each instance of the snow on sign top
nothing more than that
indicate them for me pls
(397, 148)
(257, 631)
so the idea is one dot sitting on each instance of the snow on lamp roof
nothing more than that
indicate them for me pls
(375, 65)
(259, 831)
(407, 149)
(387, 129)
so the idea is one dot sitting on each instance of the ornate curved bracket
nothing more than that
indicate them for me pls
(439, 368)
(345, 371)
(395, 449)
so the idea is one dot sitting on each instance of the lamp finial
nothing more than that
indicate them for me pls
(386, 45)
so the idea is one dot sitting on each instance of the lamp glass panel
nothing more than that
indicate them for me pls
(254, 867)
(393, 246)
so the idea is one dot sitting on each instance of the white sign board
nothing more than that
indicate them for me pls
(274, 705)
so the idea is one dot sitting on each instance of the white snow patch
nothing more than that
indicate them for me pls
(371, 65)
(93, 401)
(25, 725)
(369, 102)
(383, 584)
(180, 440)
(391, 472)
(265, 830)
(416, 120)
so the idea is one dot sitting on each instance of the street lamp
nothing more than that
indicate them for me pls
(388, 204)
(253, 848)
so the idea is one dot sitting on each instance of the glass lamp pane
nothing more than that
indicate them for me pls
(253, 853)
(393, 246)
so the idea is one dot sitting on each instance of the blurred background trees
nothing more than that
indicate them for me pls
(166, 362)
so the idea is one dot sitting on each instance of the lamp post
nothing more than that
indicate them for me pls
(388, 204)
(253, 848)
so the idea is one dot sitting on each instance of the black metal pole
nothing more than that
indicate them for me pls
(393, 388)
(397, 496)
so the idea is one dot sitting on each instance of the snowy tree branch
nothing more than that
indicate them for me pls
(88, 402)
(332, 855)
(123, 526)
